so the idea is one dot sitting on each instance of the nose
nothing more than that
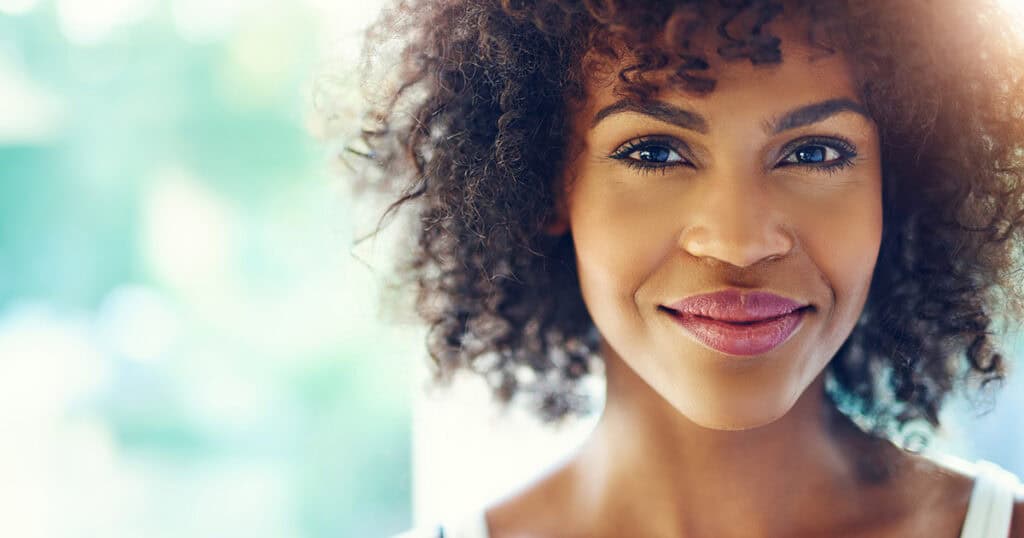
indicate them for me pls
(736, 221)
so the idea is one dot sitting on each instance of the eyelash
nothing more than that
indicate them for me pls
(846, 150)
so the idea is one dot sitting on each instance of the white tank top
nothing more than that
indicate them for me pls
(991, 504)
(988, 511)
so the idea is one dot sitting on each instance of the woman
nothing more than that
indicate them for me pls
(784, 231)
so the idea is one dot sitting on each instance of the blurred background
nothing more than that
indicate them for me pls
(188, 346)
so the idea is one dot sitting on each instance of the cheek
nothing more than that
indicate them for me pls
(624, 235)
(619, 243)
(842, 237)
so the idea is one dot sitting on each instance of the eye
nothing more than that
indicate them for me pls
(812, 154)
(826, 155)
(655, 154)
(649, 153)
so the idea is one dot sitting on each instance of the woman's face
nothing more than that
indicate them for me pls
(772, 182)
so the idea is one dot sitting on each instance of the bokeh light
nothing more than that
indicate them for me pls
(17, 7)
(86, 22)
(187, 347)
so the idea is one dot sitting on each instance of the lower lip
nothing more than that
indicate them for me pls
(740, 339)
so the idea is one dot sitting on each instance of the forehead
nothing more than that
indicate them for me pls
(805, 74)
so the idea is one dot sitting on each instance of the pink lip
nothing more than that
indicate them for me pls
(734, 305)
(739, 324)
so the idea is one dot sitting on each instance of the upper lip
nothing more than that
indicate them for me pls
(736, 305)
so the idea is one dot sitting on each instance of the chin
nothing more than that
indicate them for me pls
(735, 423)
(731, 418)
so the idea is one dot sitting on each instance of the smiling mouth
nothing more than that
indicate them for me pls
(673, 312)
(740, 323)
(741, 338)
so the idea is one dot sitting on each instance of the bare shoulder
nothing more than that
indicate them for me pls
(957, 501)
(1017, 523)
(939, 491)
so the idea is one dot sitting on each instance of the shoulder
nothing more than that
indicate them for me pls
(1017, 507)
(1017, 523)
(1017, 517)
(953, 480)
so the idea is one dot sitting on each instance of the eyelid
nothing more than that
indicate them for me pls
(634, 144)
(624, 150)
(846, 148)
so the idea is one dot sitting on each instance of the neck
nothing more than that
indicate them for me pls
(667, 476)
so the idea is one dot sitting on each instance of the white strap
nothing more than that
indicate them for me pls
(991, 504)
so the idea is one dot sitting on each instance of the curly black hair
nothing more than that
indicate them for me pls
(469, 126)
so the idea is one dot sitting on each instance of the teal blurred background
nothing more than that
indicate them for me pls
(187, 347)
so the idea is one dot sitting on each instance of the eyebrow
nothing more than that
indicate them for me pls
(813, 113)
(687, 119)
(659, 110)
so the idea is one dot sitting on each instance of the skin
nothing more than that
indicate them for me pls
(694, 442)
